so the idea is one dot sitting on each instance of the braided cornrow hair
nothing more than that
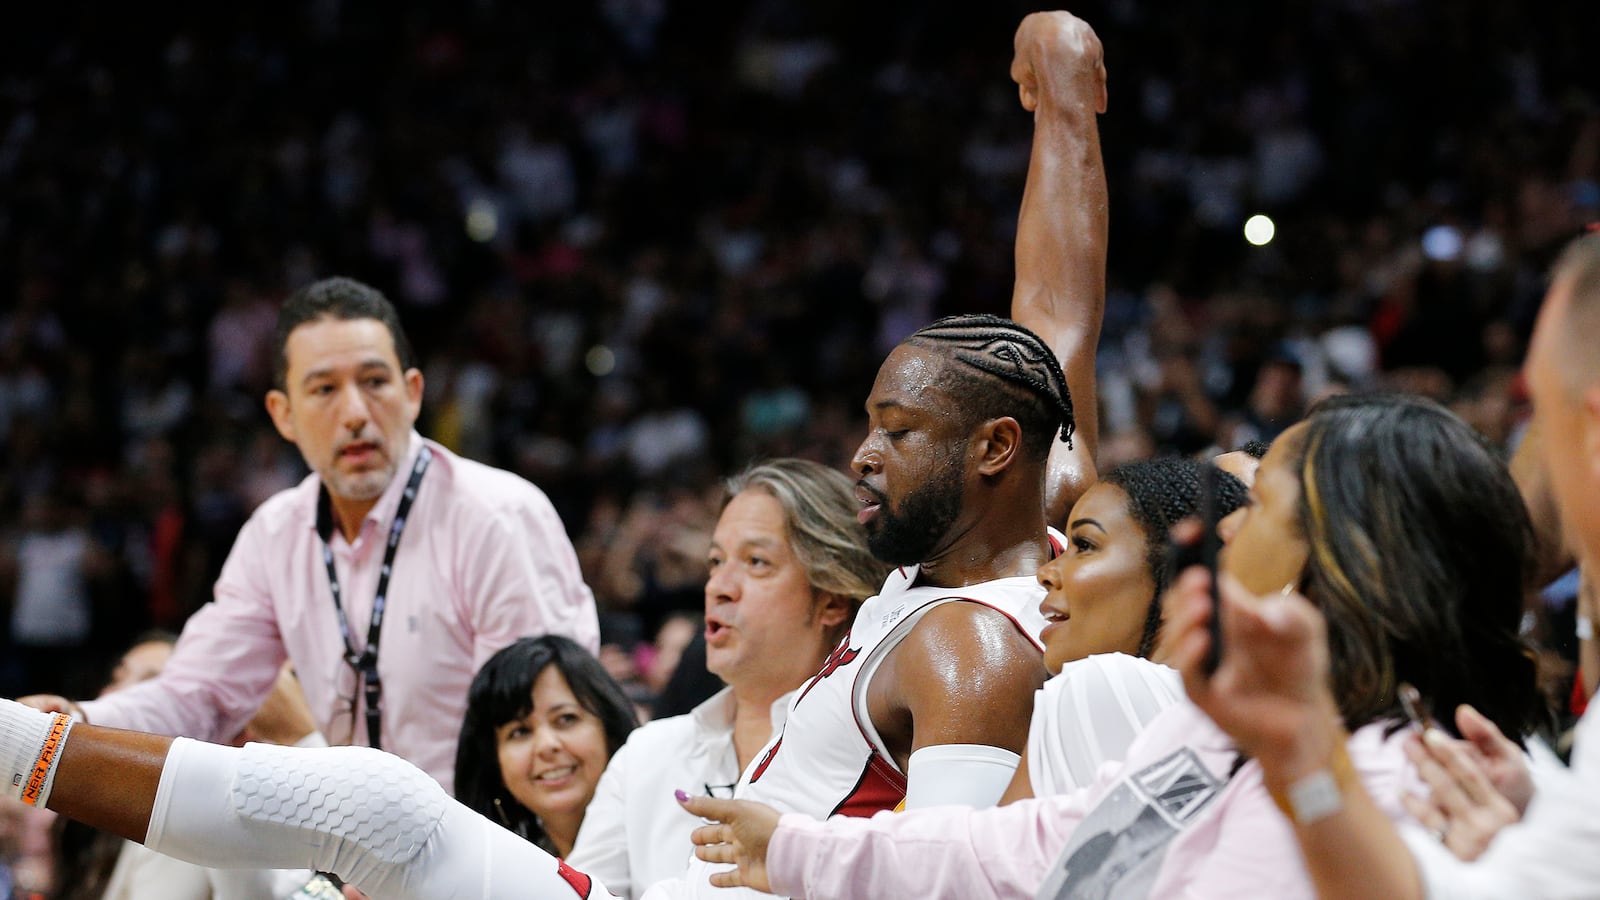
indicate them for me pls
(1011, 353)
(1162, 493)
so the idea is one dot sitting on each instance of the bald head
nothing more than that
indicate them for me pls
(1563, 372)
(1576, 279)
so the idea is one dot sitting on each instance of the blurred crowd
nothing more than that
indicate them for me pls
(639, 243)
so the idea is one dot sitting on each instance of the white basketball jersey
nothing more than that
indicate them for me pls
(828, 760)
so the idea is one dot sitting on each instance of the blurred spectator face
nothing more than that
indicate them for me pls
(910, 464)
(760, 608)
(1263, 544)
(552, 757)
(347, 405)
(1277, 390)
(1098, 592)
(141, 663)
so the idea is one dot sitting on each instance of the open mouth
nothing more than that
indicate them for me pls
(715, 630)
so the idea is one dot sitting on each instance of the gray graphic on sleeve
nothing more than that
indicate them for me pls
(1118, 849)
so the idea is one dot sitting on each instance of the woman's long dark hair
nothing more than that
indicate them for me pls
(501, 692)
(1420, 546)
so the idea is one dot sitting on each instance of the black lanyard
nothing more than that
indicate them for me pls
(366, 662)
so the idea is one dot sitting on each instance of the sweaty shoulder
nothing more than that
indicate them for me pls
(966, 674)
(967, 639)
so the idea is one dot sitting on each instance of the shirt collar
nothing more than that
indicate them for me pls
(713, 718)
(715, 713)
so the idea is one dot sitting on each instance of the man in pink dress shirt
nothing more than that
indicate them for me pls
(479, 559)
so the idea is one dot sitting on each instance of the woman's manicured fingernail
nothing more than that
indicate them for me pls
(1435, 737)
(682, 797)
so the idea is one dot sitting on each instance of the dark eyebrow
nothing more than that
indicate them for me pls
(1077, 522)
(364, 366)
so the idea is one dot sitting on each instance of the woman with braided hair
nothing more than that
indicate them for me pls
(1103, 601)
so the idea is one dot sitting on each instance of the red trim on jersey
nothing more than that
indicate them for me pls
(766, 761)
(1016, 624)
(880, 787)
(842, 655)
(579, 881)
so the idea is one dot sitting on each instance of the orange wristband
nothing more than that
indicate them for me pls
(36, 791)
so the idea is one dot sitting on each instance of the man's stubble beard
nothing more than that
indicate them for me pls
(926, 515)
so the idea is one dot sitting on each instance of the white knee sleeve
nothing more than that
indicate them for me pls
(366, 797)
(350, 810)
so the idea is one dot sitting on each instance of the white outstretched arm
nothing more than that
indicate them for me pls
(373, 819)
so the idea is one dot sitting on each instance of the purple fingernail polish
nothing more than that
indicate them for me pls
(682, 797)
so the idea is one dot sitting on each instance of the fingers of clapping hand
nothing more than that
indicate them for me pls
(1448, 767)
(1444, 792)
(1484, 734)
(710, 808)
(711, 835)
(713, 844)
(1502, 760)
(1463, 808)
(1426, 813)
(730, 878)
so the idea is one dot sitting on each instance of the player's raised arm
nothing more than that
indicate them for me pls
(1059, 68)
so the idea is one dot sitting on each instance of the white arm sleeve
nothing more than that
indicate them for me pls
(373, 819)
(973, 775)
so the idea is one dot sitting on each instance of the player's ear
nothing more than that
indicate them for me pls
(997, 444)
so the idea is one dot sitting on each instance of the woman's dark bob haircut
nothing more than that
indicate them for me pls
(502, 692)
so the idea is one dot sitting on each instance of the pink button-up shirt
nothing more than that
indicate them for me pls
(483, 561)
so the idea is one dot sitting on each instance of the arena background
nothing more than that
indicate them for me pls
(640, 242)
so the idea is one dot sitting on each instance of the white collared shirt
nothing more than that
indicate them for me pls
(634, 833)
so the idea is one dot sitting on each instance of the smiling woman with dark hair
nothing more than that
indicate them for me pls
(543, 718)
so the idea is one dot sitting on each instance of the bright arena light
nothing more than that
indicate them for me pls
(600, 360)
(1258, 230)
(482, 223)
